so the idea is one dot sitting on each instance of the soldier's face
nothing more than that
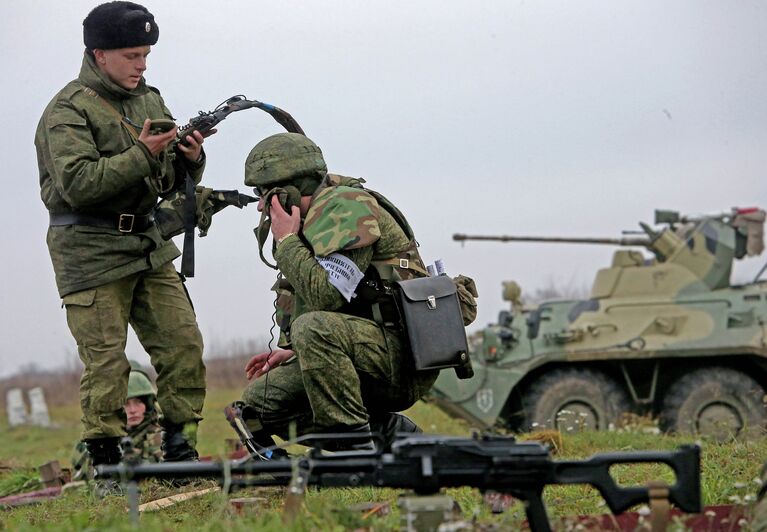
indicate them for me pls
(123, 66)
(135, 410)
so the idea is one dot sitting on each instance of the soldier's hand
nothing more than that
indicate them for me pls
(194, 145)
(155, 143)
(282, 222)
(262, 363)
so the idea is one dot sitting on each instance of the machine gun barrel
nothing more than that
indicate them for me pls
(428, 463)
(625, 241)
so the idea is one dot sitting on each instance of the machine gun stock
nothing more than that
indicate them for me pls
(428, 463)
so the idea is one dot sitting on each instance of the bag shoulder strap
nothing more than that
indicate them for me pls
(109, 107)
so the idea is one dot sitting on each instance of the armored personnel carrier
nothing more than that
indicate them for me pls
(666, 334)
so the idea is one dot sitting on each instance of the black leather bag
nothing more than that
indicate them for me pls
(431, 312)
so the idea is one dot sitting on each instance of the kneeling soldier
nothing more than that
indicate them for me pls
(344, 364)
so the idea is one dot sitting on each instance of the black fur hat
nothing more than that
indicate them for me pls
(119, 25)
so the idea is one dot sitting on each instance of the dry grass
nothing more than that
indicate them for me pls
(728, 470)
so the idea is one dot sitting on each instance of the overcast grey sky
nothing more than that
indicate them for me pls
(526, 117)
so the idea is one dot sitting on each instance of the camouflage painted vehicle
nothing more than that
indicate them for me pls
(667, 335)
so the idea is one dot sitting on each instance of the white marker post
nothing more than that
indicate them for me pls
(17, 411)
(38, 409)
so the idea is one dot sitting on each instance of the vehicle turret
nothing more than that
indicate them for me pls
(690, 252)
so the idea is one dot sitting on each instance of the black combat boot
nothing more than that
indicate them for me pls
(260, 435)
(105, 451)
(179, 442)
(390, 425)
(362, 443)
(264, 440)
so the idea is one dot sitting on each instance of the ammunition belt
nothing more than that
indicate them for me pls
(123, 222)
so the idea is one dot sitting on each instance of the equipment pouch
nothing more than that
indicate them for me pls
(431, 312)
(168, 215)
(467, 294)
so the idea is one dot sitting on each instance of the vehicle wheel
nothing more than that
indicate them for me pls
(572, 400)
(717, 402)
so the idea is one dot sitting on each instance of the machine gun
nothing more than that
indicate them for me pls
(428, 463)
(204, 123)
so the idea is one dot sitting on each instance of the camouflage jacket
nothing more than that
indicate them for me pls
(147, 439)
(90, 163)
(341, 220)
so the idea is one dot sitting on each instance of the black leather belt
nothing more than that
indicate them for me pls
(125, 223)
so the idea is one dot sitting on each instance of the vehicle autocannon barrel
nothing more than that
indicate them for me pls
(626, 241)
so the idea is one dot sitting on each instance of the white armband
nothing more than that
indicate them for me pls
(343, 274)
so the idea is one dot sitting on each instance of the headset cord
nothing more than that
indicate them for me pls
(269, 346)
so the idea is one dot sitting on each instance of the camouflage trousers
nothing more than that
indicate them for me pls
(156, 305)
(345, 373)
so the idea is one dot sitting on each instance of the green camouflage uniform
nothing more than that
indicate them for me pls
(348, 368)
(91, 164)
(146, 439)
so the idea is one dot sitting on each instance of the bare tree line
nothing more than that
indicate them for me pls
(225, 359)
(225, 363)
(553, 289)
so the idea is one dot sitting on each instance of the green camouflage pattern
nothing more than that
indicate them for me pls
(466, 289)
(90, 163)
(98, 319)
(341, 218)
(297, 263)
(668, 335)
(283, 157)
(147, 441)
(346, 369)
(139, 385)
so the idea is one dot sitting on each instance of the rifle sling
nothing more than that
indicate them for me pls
(109, 107)
(190, 221)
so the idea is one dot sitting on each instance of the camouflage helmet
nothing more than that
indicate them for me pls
(283, 158)
(139, 384)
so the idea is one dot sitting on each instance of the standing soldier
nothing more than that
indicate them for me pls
(102, 167)
(344, 365)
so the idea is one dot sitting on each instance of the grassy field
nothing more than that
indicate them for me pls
(729, 473)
